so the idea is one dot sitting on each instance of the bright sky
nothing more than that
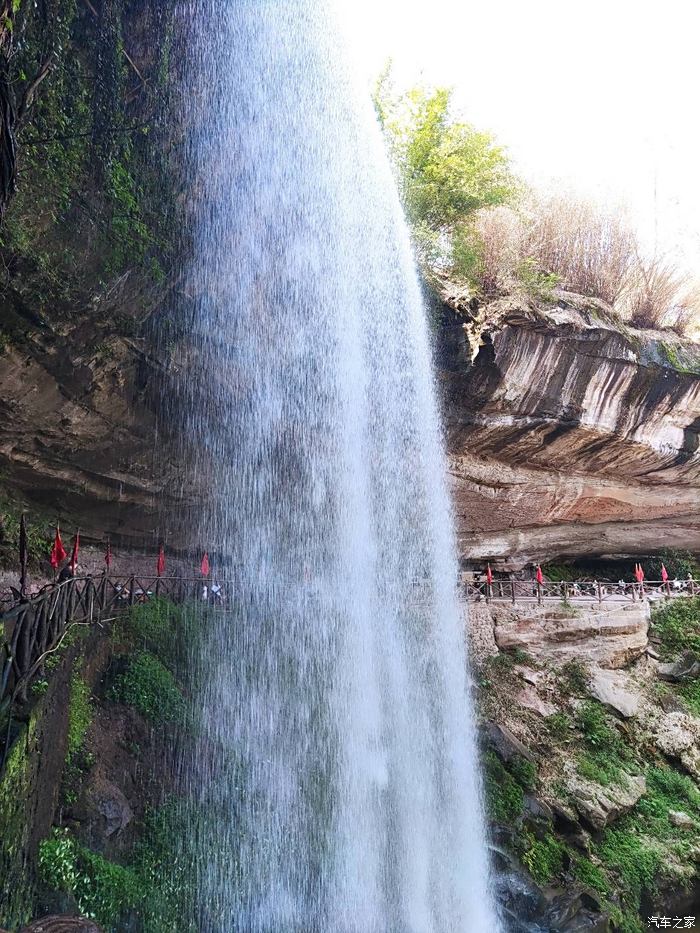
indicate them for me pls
(602, 95)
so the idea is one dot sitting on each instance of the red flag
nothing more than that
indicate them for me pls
(205, 565)
(160, 566)
(664, 573)
(76, 548)
(641, 574)
(489, 575)
(58, 552)
(539, 576)
(108, 555)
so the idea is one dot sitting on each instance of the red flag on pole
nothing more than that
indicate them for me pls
(108, 555)
(539, 576)
(58, 552)
(641, 574)
(489, 575)
(204, 567)
(664, 573)
(76, 548)
(160, 566)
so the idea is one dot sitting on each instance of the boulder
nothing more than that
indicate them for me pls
(616, 690)
(530, 699)
(678, 736)
(505, 744)
(600, 806)
(686, 667)
(609, 637)
(681, 820)
(113, 806)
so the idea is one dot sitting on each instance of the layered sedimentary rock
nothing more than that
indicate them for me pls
(569, 434)
(79, 437)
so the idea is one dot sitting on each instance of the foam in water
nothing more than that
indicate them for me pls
(337, 764)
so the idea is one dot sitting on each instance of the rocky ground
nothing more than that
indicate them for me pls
(590, 730)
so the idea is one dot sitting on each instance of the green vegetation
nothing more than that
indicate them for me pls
(574, 677)
(87, 207)
(624, 852)
(690, 692)
(589, 874)
(524, 772)
(79, 716)
(447, 171)
(149, 687)
(560, 726)
(38, 533)
(677, 624)
(543, 858)
(679, 564)
(154, 882)
(102, 889)
(15, 791)
(641, 846)
(606, 758)
(504, 796)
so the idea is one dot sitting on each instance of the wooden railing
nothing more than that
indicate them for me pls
(35, 627)
(587, 590)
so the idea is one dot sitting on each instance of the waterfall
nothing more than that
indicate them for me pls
(336, 771)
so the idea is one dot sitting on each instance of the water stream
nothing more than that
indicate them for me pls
(337, 761)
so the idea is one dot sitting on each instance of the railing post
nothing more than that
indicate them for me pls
(692, 586)
(91, 599)
(539, 593)
(132, 584)
(489, 594)
(512, 590)
(600, 591)
(565, 587)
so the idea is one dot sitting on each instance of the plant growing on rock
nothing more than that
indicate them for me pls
(677, 625)
(149, 687)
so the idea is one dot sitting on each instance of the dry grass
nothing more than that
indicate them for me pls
(588, 250)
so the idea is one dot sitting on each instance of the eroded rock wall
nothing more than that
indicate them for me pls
(569, 434)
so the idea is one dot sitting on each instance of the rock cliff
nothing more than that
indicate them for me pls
(569, 434)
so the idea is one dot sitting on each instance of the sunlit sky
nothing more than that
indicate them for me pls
(600, 96)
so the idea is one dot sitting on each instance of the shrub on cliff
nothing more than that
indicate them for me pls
(677, 625)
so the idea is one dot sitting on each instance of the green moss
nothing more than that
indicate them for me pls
(504, 796)
(79, 716)
(543, 858)
(524, 772)
(590, 875)
(149, 686)
(606, 758)
(16, 891)
(625, 853)
(638, 849)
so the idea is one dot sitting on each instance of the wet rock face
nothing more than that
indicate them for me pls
(558, 421)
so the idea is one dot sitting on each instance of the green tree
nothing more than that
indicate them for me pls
(446, 172)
